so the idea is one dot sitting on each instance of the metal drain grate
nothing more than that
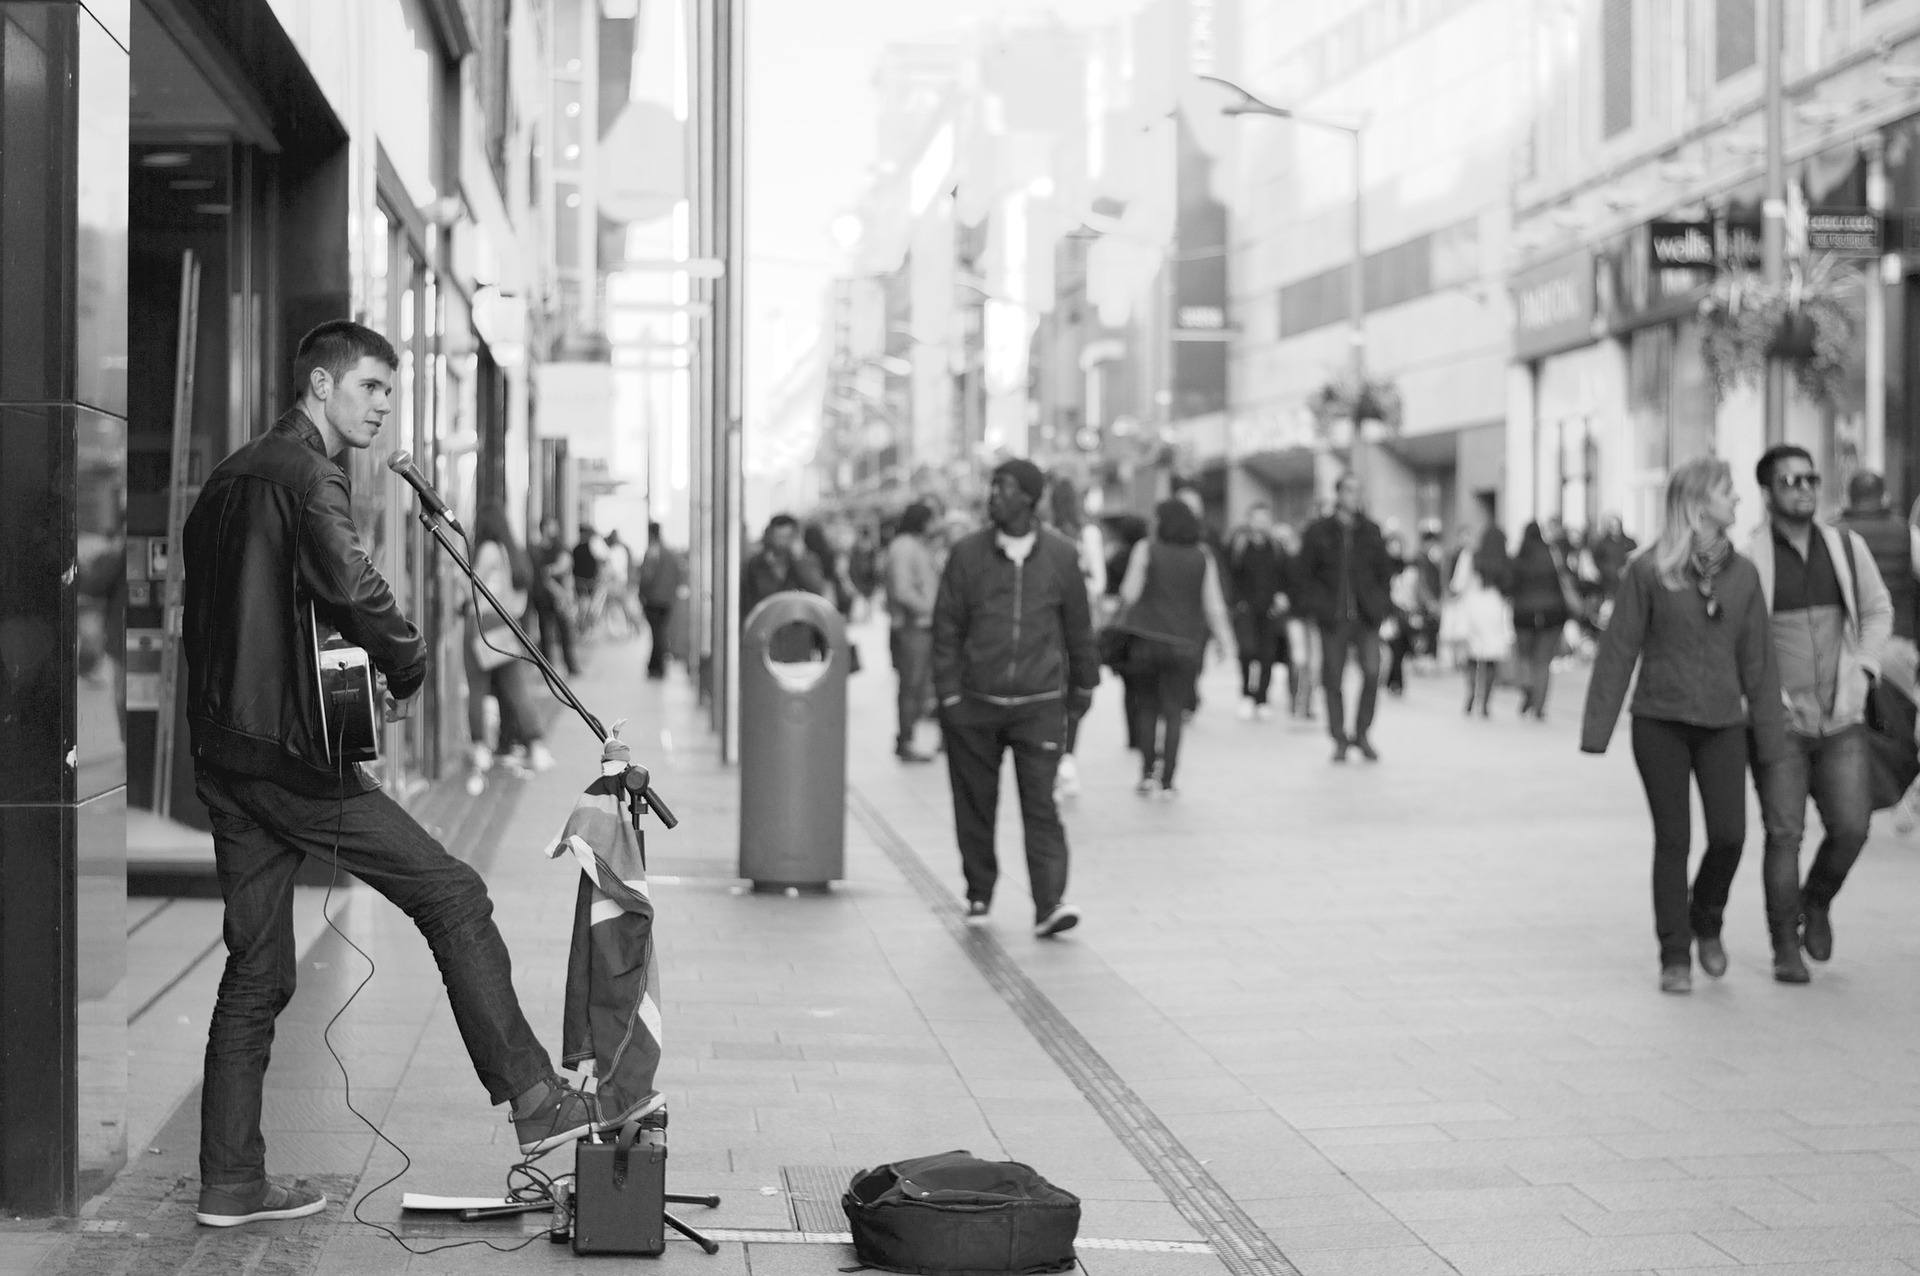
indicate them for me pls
(813, 1194)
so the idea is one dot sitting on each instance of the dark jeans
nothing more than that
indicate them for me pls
(1161, 677)
(1834, 771)
(1256, 636)
(1363, 640)
(556, 630)
(1534, 650)
(977, 735)
(913, 663)
(1670, 755)
(261, 833)
(506, 683)
(657, 614)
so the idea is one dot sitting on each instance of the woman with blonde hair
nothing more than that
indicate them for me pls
(1691, 613)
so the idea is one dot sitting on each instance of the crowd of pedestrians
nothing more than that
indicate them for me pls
(1753, 661)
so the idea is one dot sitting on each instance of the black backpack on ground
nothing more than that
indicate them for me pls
(953, 1214)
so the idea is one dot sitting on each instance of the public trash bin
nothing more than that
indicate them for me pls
(793, 748)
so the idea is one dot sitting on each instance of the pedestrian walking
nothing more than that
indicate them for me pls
(617, 581)
(832, 548)
(663, 584)
(589, 560)
(1013, 656)
(1255, 566)
(912, 585)
(1540, 614)
(782, 564)
(1345, 573)
(1890, 542)
(553, 596)
(1692, 614)
(1301, 631)
(1068, 517)
(1484, 619)
(270, 548)
(1401, 629)
(1173, 601)
(1610, 551)
(493, 666)
(1831, 617)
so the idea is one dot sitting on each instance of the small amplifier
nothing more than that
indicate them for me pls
(619, 1193)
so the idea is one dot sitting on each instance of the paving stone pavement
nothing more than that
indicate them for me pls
(1402, 1017)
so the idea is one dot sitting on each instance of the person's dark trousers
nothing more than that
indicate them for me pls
(1336, 641)
(657, 614)
(1397, 651)
(1834, 771)
(507, 683)
(978, 735)
(1165, 675)
(1672, 758)
(913, 664)
(556, 631)
(1536, 649)
(261, 834)
(1256, 638)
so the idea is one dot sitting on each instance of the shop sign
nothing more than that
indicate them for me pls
(1553, 306)
(1844, 232)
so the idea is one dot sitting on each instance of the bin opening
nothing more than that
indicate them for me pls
(798, 638)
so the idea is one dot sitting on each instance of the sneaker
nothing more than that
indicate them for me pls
(1064, 917)
(1167, 792)
(1263, 711)
(562, 1115)
(907, 753)
(539, 756)
(1245, 709)
(1713, 955)
(1366, 748)
(1066, 781)
(476, 783)
(977, 912)
(1677, 979)
(1144, 786)
(234, 1204)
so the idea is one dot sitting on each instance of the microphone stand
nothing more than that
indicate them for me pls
(638, 781)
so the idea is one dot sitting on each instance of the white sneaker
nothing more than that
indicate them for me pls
(1245, 711)
(1263, 711)
(476, 783)
(1063, 917)
(540, 757)
(1066, 781)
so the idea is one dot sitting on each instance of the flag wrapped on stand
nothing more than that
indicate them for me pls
(611, 1025)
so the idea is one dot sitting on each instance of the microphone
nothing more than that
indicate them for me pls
(401, 463)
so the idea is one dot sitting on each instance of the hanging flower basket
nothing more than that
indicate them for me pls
(1807, 322)
(1339, 400)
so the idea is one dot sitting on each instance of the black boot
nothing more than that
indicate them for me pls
(1788, 966)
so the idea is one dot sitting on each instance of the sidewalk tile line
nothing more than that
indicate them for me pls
(173, 983)
(1240, 1244)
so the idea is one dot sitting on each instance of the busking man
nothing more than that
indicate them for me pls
(1013, 655)
(1831, 618)
(272, 535)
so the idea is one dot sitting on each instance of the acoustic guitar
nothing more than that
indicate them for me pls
(350, 696)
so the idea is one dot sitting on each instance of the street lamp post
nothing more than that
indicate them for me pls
(1773, 216)
(1245, 103)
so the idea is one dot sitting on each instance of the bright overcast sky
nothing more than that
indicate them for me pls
(810, 126)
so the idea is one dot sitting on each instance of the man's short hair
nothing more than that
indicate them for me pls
(779, 521)
(337, 346)
(1866, 490)
(653, 530)
(1771, 458)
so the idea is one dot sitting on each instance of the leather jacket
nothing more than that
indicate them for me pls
(272, 531)
(1332, 590)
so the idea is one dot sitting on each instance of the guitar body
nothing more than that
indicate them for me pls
(349, 698)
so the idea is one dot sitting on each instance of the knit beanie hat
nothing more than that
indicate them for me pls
(1025, 475)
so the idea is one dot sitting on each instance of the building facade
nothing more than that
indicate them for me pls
(1638, 206)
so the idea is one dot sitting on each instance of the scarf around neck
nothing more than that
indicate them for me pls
(1710, 558)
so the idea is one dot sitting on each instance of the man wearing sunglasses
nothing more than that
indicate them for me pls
(1831, 618)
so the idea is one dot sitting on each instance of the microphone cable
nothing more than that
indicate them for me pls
(526, 1182)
